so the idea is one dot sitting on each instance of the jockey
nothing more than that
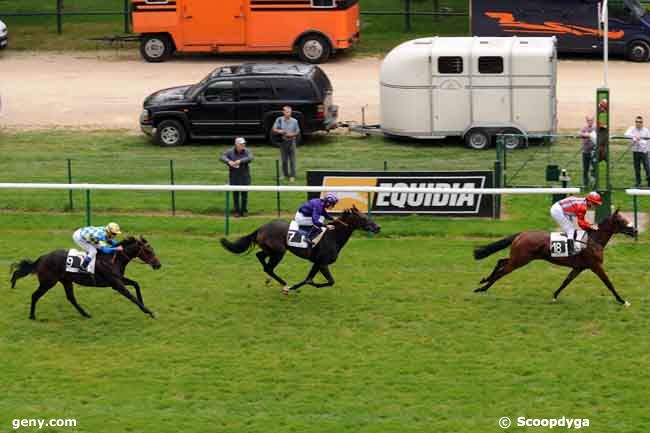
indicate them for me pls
(564, 210)
(92, 239)
(313, 213)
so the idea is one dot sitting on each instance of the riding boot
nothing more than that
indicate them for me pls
(85, 263)
(570, 246)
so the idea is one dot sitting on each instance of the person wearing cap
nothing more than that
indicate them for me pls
(313, 213)
(92, 239)
(640, 137)
(571, 207)
(238, 159)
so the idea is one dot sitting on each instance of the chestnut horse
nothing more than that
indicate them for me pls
(528, 246)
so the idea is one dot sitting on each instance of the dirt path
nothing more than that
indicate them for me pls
(105, 89)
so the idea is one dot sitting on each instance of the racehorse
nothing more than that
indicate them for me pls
(272, 240)
(109, 272)
(528, 246)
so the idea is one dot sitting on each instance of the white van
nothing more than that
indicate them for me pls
(4, 35)
(472, 87)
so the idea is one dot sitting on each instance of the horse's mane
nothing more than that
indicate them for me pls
(128, 241)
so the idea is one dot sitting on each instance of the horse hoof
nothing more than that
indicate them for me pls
(285, 290)
(627, 304)
(267, 281)
(152, 315)
(554, 300)
(32, 317)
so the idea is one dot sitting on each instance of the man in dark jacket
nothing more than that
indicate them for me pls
(237, 159)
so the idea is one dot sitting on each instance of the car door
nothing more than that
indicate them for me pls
(215, 114)
(255, 98)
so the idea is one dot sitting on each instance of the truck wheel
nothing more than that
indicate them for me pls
(156, 48)
(314, 49)
(170, 133)
(477, 139)
(638, 51)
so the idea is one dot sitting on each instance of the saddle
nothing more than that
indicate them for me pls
(73, 262)
(563, 246)
(299, 236)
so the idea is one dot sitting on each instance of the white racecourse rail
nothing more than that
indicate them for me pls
(633, 191)
(272, 188)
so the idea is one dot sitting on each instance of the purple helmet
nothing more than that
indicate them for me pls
(331, 198)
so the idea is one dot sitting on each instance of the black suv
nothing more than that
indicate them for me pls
(245, 100)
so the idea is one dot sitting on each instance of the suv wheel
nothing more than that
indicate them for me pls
(638, 51)
(314, 49)
(477, 139)
(170, 133)
(156, 48)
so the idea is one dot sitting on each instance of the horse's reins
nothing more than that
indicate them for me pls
(137, 256)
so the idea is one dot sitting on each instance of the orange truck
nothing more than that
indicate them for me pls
(314, 29)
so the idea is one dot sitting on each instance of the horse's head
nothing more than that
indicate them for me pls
(140, 248)
(356, 220)
(617, 223)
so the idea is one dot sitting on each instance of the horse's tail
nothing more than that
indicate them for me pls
(487, 250)
(22, 269)
(241, 245)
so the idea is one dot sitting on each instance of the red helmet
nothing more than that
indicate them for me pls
(594, 197)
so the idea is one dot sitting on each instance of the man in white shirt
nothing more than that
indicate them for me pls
(640, 137)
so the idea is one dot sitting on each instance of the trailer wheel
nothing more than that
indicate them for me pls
(477, 139)
(314, 49)
(513, 142)
(638, 51)
(156, 48)
(170, 133)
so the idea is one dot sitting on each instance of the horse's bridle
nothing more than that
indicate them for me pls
(140, 249)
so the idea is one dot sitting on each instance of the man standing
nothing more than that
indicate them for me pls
(640, 137)
(288, 129)
(588, 147)
(238, 158)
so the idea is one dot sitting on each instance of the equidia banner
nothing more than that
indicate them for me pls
(410, 203)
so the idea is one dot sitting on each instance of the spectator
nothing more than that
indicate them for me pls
(238, 158)
(587, 133)
(288, 130)
(640, 137)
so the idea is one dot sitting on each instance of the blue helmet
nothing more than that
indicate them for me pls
(331, 198)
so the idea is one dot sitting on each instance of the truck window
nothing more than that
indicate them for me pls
(291, 90)
(620, 12)
(323, 3)
(220, 91)
(450, 65)
(254, 90)
(490, 65)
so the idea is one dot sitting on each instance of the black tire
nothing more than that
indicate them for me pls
(314, 49)
(638, 51)
(513, 142)
(170, 133)
(156, 48)
(477, 139)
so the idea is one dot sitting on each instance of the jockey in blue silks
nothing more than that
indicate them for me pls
(313, 213)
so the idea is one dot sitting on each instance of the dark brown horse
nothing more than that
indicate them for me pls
(109, 272)
(528, 246)
(272, 240)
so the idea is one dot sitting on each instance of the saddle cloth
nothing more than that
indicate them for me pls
(297, 237)
(560, 247)
(74, 259)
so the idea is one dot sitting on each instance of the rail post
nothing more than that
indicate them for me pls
(277, 183)
(436, 9)
(498, 183)
(227, 228)
(70, 202)
(59, 17)
(370, 210)
(385, 165)
(636, 216)
(407, 16)
(171, 182)
(87, 207)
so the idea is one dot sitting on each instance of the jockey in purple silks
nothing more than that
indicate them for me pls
(313, 213)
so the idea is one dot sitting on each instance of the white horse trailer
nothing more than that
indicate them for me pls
(472, 87)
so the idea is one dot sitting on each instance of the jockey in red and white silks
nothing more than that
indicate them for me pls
(568, 208)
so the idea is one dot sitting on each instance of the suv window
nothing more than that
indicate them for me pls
(296, 89)
(254, 90)
(220, 91)
(322, 82)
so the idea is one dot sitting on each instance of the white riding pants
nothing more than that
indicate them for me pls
(303, 220)
(87, 246)
(564, 221)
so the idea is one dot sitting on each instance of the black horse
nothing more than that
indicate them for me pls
(109, 272)
(272, 240)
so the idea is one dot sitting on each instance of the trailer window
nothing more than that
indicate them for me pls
(450, 65)
(323, 3)
(254, 90)
(293, 89)
(490, 65)
(221, 91)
